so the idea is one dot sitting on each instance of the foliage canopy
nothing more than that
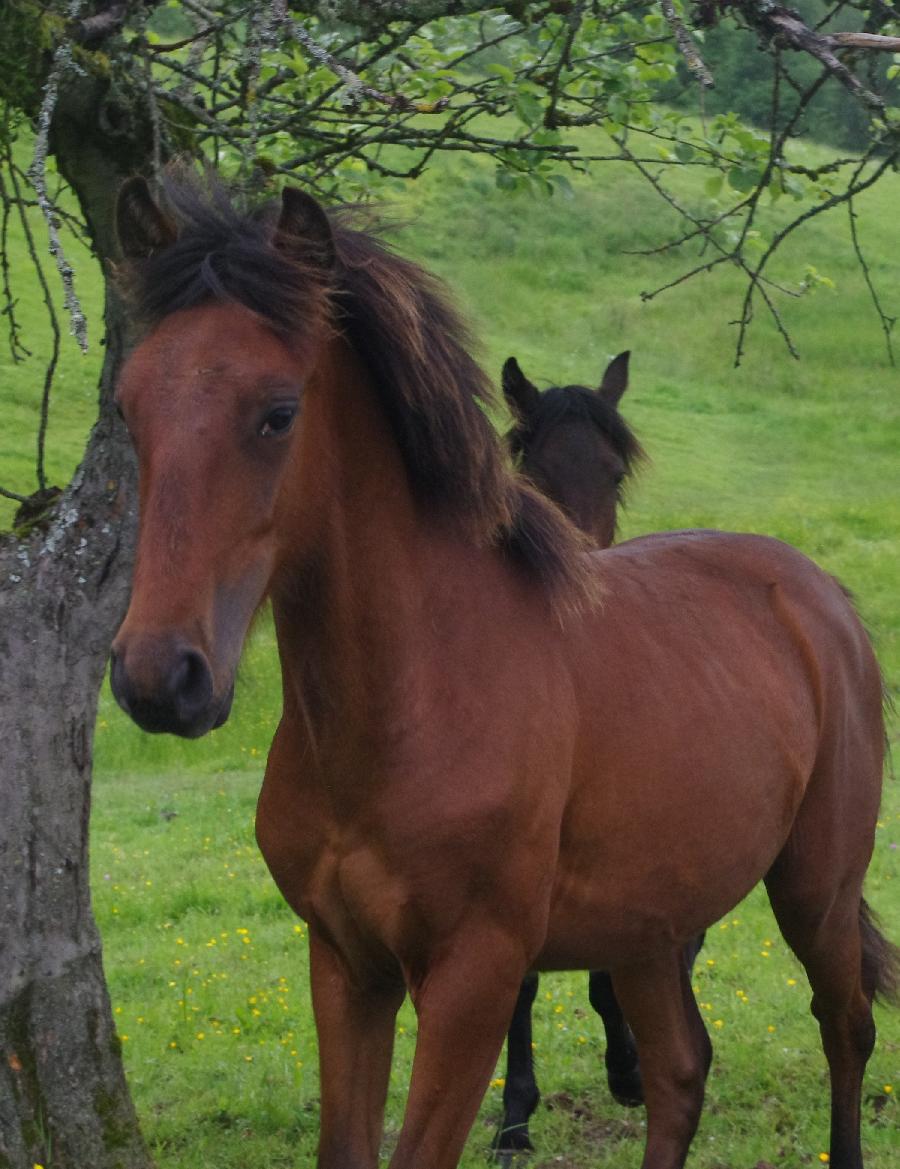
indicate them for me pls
(348, 98)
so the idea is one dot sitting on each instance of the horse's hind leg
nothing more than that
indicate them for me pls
(674, 1050)
(815, 887)
(827, 942)
(520, 1092)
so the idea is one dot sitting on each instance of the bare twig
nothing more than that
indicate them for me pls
(855, 186)
(864, 40)
(50, 371)
(573, 24)
(18, 350)
(13, 495)
(887, 323)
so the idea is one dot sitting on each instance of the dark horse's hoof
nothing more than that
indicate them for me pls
(509, 1144)
(626, 1087)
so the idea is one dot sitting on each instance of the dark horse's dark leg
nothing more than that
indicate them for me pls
(622, 1069)
(520, 1092)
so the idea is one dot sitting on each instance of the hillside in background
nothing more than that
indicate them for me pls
(805, 450)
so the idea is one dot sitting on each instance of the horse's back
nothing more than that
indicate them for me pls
(718, 577)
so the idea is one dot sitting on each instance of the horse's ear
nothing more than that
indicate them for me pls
(303, 228)
(615, 379)
(522, 396)
(142, 227)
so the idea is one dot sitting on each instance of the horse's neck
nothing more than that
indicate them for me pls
(352, 607)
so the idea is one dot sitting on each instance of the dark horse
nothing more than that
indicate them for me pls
(478, 771)
(575, 446)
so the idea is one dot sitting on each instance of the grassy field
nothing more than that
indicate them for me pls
(207, 967)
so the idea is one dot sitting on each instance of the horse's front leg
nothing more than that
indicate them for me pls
(355, 1028)
(464, 1004)
(674, 1051)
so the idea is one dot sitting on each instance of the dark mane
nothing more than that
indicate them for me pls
(221, 253)
(400, 321)
(577, 404)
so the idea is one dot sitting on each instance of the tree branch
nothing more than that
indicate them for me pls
(776, 21)
(37, 176)
(887, 323)
(686, 45)
(355, 85)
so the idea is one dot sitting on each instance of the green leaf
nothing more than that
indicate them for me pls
(528, 108)
(743, 178)
(503, 72)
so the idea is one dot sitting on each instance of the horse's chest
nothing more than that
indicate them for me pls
(345, 887)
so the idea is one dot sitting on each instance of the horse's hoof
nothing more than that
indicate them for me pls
(510, 1144)
(626, 1087)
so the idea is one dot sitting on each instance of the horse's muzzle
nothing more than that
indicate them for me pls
(167, 687)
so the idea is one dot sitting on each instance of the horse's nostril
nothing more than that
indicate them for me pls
(191, 685)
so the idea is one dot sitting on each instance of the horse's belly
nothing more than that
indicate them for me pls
(615, 923)
(647, 865)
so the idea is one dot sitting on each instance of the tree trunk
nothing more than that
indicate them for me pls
(63, 589)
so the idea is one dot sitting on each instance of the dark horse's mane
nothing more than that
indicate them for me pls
(400, 322)
(561, 404)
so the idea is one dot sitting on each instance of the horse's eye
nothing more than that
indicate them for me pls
(278, 421)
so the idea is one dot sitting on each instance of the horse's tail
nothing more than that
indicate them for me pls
(880, 958)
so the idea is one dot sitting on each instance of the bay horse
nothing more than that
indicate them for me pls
(497, 753)
(573, 444)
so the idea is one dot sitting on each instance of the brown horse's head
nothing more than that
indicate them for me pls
(574, 445)
(210, 396)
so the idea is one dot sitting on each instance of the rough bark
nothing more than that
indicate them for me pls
(62, 591)
(63, 588)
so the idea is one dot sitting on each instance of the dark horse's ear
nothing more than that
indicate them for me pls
(303, 229)
(142, 227)
(522, 396)
(615, 380)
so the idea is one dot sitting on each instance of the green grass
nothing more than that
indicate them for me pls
(208, 972)
(220, 1048)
